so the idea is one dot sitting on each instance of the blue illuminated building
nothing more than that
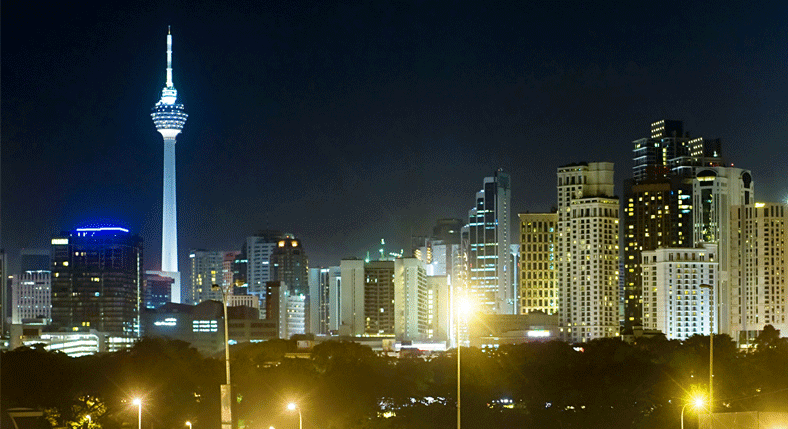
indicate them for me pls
(97, 280)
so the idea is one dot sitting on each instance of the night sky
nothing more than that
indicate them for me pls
(344, 124)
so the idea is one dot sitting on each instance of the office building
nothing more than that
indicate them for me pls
(97, 281)
(715, 192)
(290, 265)
(31, 296)
(324, 287)
(675, 300)
(391, 299)
(658, 201)
(157, 290)
(259, 249)
(758, 269)
(288, 310)
(208, 268)
(411, 300)
(488, 242)
(538, 263)
(169, 118)
(588, 257)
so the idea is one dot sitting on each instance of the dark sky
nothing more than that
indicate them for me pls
(347, 123)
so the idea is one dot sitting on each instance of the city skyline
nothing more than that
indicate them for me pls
(395, 114)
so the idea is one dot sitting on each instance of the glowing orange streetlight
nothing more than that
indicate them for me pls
(138, 403)
(293, 406)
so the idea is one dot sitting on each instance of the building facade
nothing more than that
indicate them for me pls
(324, 287)
(97, 281)
(490, 277)
(677, 299)
(758, 269)
(31, 296)
(588, 220)
(538, 263)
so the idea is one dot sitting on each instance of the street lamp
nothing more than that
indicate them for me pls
(90, 420)
(189, 424)
(226, 396)
(138, 403)
(292, 406)
(712, 315)
(697, 403)
(463, 307)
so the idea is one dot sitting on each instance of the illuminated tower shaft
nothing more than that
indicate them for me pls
(169, 225)
(169, 118)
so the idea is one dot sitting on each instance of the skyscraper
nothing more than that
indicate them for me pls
(169, 117)
(587, 252)
(290, 265)
(758, 269)
(538, 263)
(97, 281)
(658, 201)
(490, 272)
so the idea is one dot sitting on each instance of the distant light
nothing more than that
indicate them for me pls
(759, 205)
(540, 333)
(59, 241)
(137, 401)
(291, 406)
(102, 229)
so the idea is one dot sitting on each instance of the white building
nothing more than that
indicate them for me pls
(715, 191)
(410, 299)
(588, 218)
(324, 287)
(31, 296)
(207, 269)
(758, 269)
(674, 301)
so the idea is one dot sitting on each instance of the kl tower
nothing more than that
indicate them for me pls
(169, 117)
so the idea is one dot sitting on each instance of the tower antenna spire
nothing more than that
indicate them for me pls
(169, 57)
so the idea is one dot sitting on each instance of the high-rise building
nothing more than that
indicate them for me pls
(207, 269)
(758, 269)
(31, 296)
(259, 249)
(290, 265)
(715, 192)
(657, 213)
(156, 291)
(675, 300)
(588, 221)
(658, 201)
(538, 263)
(385, 299)
(411, 300)
(169, 117)
(488, 233)
(324, 287)
(97, 281)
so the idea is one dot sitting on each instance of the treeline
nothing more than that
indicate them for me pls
(606, 383)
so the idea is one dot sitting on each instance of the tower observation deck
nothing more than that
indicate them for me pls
(169, 118)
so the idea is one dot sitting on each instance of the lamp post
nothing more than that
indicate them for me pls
(226, 397)
(463, 307)
(712, 315)
(138, 403)
(292, 406)
(189, 424)
(697, 403)
(90, 420)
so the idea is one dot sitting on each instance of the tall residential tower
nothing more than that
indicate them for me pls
(169, 117)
